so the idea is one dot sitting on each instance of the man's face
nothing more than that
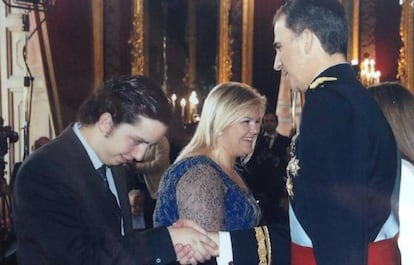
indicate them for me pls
(290, 55)
(127, 142)
(269, 123)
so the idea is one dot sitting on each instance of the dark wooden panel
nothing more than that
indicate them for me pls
(265, 79)
(68, 44)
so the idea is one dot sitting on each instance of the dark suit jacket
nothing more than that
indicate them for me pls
(64, 215)
(266, 168)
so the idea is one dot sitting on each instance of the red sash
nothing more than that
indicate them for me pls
(384, 252)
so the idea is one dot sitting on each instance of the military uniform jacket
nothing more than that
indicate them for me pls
(347, 159)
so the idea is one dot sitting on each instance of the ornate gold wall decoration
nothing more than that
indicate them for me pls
(137, 39)
(225, 43)
(355, 31)
(352, 15)
(98, 42)
(247, 45)
(232, 48)
(367, 29)
(406, 60)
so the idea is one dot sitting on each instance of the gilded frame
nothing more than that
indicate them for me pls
(352, 14)
(225, 65)
(406, 60)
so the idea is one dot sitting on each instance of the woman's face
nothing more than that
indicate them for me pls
(237, 139)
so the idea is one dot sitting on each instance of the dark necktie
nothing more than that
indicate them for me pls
(267, 140)
(102, 173)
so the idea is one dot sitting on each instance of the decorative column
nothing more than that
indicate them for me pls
(164, 85)
(367, 29)
(247, 45)
(192, 44)
(224, 56)
(137, 38)
(406, 60)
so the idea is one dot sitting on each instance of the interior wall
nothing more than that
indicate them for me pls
(265, 79)
(116, 30)
(70, 37)
(24, 105)
(387, 38)
(68, 40)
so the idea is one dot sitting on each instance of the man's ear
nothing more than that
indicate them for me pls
(308, 40)
(105, 123)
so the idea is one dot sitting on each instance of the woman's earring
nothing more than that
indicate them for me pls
(220, 133)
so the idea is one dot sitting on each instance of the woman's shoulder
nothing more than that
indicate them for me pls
(192, 165)
(199, 169)
(196, 160)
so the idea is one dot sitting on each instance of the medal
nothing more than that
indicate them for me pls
(292, 169)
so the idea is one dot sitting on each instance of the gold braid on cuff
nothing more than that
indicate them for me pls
(264, 248)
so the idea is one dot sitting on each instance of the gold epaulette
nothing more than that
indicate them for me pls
(264, 248)
(321, 80)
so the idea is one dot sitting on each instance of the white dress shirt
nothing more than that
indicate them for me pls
(97, 163)
(406, 213)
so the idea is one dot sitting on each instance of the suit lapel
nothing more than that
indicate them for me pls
(93, 182)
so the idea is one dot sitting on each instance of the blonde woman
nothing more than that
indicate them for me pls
(204, 184)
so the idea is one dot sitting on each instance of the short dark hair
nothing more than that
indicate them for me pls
(273, 114)
(42, 140)
(325, 18)
(127, 98)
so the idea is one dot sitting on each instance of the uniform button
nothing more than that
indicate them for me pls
(158, 261)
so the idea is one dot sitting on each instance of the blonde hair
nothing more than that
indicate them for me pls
(225, 104)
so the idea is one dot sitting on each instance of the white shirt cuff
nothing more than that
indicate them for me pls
(225, 249)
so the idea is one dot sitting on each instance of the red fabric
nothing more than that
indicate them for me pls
(384, 252)
(302, 255)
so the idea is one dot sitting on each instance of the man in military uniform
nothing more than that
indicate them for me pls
(344, 157)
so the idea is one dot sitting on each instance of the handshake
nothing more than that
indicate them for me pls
(192, 243)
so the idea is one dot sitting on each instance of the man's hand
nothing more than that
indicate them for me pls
(185, 254)
(188, 223)
(191, 242)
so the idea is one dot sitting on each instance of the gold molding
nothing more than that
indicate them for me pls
(137, 38)
(247, 45)
(355, 31)
(406, 60)
(98, 42)
(352, 16)
(224, 55)
(367, 29)
(139, 41)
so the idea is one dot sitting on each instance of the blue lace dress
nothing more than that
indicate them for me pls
(196, 188)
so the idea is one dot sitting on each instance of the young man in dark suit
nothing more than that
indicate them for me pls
(71, 204)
